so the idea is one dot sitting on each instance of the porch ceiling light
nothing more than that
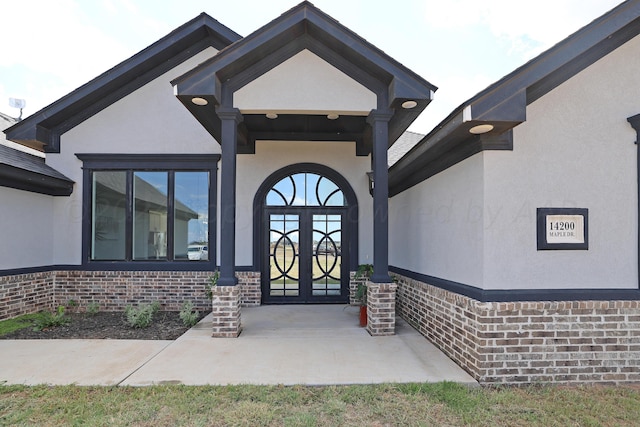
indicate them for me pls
(199, 101)
(407, 105)
(332, 116)
(271, 116)
(480, 129)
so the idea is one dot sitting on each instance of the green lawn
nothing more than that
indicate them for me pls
(374, 405)
(20, 322)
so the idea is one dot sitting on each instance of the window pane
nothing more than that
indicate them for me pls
(150, 215)
(191, 219)
(108, 207)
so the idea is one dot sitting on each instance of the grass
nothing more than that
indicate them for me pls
(20, 322)
(365, 405)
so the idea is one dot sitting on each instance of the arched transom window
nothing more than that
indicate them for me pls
(305, 189)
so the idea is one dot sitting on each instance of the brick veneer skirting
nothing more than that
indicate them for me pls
(26, 293)
(527, 342)
(113, 290)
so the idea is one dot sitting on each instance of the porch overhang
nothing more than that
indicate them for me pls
(304, 27)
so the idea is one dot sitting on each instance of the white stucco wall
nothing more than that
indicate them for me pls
(576, 149)
(436, 227)
(271, 156)
(149, 120)
(305, 83)
(31, 243)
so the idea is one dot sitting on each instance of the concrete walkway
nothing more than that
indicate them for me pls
(311, 344)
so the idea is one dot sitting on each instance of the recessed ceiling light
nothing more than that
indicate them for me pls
(407, 105)
(271, 116)
(480, 129)
(332, 116)
(199, 101)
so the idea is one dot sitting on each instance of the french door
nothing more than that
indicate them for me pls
(303, 257)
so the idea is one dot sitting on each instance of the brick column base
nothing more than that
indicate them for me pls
(381, 308)
(226, 311)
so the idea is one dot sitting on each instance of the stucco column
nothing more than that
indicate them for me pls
(230, 117)
(379, 121)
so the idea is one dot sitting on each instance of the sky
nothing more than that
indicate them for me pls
(49, 48)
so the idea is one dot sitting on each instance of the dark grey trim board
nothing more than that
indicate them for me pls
(115, 266)
(34, 182)
(634, 121)
(143, 266)
(514, 295)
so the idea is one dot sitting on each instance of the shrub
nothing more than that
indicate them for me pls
(47, 319)
(93, 308)
(142, 316)
(188, 315)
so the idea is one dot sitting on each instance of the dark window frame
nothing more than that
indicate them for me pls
(131, 163)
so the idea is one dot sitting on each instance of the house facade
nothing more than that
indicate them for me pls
(508, 236)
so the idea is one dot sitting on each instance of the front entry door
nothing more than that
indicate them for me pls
(303, 257)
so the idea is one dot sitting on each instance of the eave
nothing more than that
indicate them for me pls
(504, 103)
(303, 27)
(43, 129)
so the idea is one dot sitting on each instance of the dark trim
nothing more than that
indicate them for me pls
(541, 225)
(229, 119)
(336, 177)
(21, 179)
(43, 129)
(515, 295)
(165, 162)
(379, 121)
(112, 267)
(148, 161)
(634, 121)
(503, 104)
(439, 156)
(141, 266)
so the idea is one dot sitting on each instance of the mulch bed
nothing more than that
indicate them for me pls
(166, 325)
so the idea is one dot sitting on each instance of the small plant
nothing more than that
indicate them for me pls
(212, 282)
(142, 316)
(361, 294)
(46, 319)
(364, 271)
(188, 315)
(93, 308)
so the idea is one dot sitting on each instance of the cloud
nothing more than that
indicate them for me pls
(529, 27)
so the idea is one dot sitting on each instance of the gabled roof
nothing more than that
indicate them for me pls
(42, 130)
(303, 27)
(503, 104)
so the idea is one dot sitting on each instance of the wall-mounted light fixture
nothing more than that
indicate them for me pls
(332, 116)
(271, 116)
(371, 185)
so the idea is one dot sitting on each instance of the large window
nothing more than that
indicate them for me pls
(139, 210)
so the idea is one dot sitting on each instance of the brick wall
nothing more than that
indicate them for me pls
(114, 290)
(26, 293)
(528, 342)
(250, 288)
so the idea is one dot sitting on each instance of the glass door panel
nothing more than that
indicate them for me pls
(326, 256)
(284, 255)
